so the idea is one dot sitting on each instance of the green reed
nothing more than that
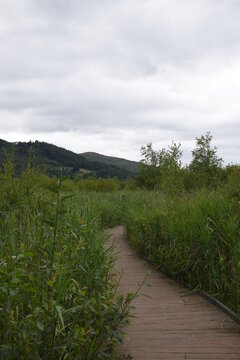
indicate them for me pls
(58, 296)
(195, 237)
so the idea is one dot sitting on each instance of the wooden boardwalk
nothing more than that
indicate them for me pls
(172, 323)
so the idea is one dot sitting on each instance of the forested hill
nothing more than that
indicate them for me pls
(52, 159)
(111, 160)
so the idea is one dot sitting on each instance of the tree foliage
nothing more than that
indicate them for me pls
(206, 165)
(161, 169)
(54, 160)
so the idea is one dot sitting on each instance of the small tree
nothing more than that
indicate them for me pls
(161, 169)
(149, 173)
(206, 165)
(233, 180)
(172, 174)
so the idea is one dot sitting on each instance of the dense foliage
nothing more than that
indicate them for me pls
(57, 290)
(186, 220)
(163, 169)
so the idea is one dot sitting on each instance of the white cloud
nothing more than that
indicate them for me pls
(119, 74)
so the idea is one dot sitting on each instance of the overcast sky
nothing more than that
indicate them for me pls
(112, 75)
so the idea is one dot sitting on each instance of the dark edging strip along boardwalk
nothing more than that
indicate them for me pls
(171, 323)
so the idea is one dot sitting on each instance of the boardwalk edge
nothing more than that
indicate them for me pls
(224, 308)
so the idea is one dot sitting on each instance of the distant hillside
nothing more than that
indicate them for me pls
(52, 159)
(110, 160)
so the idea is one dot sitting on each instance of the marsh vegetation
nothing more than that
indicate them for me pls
(58, 294)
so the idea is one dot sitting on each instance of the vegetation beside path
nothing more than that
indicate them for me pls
(184, 219)
(58, 296)
(57, 293)
(195, 237)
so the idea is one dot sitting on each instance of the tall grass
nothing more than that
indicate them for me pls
(57, 291)
(195, 237)
(100, 185)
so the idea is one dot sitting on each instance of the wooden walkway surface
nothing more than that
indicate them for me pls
(172, 323)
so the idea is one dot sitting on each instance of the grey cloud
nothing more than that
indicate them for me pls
(135, 70)
(62, 9)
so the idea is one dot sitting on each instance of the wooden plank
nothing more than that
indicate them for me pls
(171, 323)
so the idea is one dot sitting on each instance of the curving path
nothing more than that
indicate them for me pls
(173, 323)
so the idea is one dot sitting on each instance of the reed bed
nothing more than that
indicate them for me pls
(195, 237)
(58, 294)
